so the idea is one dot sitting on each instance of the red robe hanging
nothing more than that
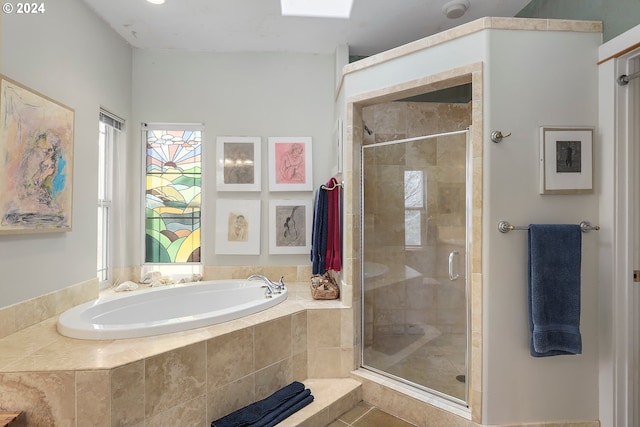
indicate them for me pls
(333, 258)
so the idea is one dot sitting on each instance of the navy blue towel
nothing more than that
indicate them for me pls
(319, 232)
(554, 289)
(288, 408)
(254, 412)
(295, 408)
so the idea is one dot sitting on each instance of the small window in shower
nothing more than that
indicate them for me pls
(413, 207)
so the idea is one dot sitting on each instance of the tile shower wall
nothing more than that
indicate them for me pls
(422, 269)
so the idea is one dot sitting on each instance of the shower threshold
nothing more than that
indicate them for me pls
(412, 391)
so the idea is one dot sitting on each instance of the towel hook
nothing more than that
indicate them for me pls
(497, 136)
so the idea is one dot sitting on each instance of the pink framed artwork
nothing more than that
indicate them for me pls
(290, 167)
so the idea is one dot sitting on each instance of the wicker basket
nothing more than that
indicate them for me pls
(324, 287)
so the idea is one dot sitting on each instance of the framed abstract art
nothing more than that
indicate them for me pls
(36, 148)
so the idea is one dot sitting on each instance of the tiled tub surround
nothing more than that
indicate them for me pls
(186, 378)
(24, 314)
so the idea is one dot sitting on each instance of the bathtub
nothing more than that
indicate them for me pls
(373, 269)
(167, 309)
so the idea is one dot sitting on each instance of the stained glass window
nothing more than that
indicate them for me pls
(173, 196)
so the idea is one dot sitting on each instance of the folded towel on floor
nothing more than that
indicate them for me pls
(554, 289)
(288, 408)
(254, 412)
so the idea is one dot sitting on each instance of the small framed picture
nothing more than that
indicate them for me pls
(238, 163)
(337, 137)
(290, 164)
(566, 160)
(290, 223)
(238, 227)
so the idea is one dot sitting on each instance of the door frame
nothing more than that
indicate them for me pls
(619, 244)
(626, 290)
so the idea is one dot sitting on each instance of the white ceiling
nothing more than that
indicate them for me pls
(256, 25)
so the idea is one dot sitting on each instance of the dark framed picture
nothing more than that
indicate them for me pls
(566, 160)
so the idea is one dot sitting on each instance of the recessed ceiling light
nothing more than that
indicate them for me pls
(317, 8)
(156, 1)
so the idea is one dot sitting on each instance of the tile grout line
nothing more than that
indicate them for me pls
(361, 416)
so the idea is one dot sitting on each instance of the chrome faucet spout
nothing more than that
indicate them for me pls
(272, 287)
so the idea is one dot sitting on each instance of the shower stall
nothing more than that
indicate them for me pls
(416, 216)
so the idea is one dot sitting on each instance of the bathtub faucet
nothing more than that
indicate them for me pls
(272, 287)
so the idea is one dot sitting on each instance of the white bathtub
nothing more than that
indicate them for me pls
(167, 309)
(373, 269)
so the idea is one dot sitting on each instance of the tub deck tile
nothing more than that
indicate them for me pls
(40, 348)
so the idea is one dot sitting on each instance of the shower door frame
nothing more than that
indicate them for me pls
(468, 214)
(469, 73)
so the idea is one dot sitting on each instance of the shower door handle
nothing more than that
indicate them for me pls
(452, 276)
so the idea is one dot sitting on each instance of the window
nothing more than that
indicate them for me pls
(413, 207)
(109, 131)
(317, 8)
(172, 193)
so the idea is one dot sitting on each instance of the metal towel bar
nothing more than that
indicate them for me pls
(505, 227)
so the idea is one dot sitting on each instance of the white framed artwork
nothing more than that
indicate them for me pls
(290, 223)
(238, 163)
(290, 167)
(238, 227)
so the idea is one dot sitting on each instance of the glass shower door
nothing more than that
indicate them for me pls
(415, 261)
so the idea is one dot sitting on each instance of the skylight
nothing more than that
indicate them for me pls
(317, 8)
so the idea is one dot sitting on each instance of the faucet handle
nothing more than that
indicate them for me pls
(281, 283)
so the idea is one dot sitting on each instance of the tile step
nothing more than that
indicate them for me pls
(332, 398)
(7, 418)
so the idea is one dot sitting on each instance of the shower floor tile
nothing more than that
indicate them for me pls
(365, 415)
(436, 362)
